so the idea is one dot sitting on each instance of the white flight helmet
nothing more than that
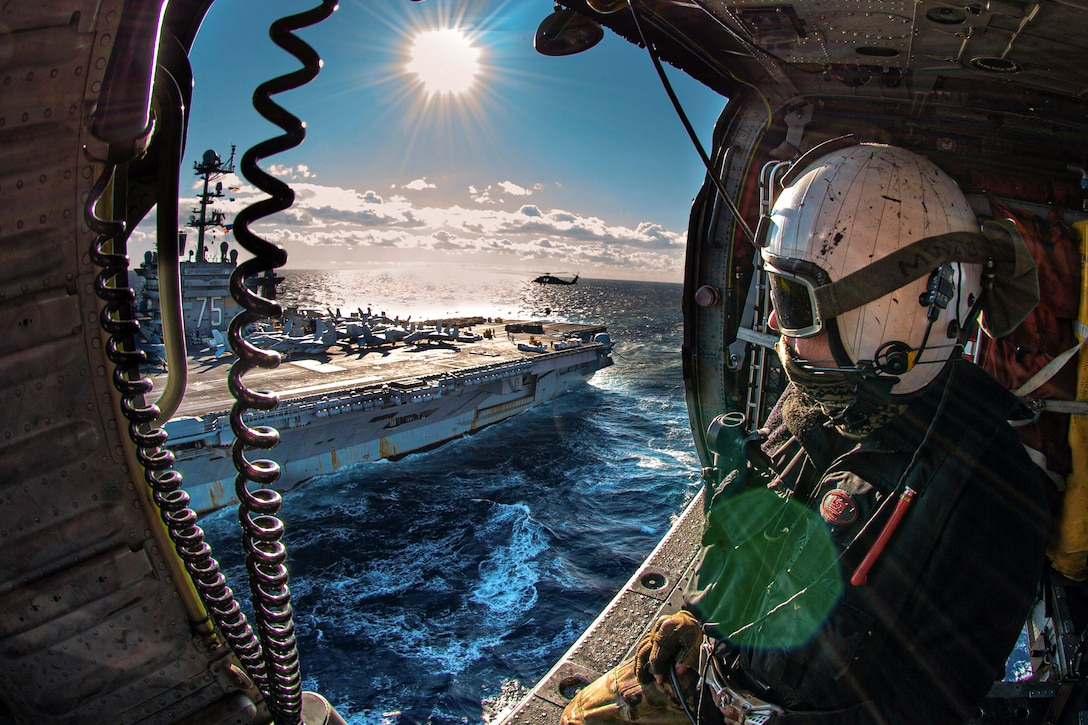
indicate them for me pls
(844, 212)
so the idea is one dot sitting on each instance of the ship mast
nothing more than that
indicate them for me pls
(209, 167)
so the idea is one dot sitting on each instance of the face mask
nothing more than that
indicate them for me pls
(835, 395)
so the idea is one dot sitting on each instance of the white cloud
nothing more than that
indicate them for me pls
(419, 184)
(493, 193)
(294, 173)
(328, 222)
(514, 190)
(483, 197)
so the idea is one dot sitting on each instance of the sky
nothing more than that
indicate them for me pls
(438, 138)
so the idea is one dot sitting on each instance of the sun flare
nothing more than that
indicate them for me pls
(445, 61)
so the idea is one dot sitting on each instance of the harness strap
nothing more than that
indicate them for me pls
(1048, 371)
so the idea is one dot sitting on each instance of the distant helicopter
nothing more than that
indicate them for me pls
(549, 278)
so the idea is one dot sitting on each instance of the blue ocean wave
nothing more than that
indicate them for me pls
(437, 588)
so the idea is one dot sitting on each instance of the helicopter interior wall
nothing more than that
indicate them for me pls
(97, 621)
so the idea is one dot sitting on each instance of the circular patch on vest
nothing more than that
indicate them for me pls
(837, 507)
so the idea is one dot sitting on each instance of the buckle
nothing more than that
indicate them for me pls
(754, 711)
(1031, 409)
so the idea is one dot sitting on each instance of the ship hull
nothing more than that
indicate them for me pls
(323, 434)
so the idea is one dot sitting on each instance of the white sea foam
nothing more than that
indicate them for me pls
(508, 577)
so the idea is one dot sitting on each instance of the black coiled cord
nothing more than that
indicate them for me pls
(273, 667)
(118, 320)
(262, 530)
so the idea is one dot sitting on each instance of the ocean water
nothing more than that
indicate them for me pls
(438, 588)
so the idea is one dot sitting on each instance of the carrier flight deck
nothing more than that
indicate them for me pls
(359, 401)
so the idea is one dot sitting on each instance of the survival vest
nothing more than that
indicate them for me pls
(931, 628)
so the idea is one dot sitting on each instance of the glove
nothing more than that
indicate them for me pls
(673, 641)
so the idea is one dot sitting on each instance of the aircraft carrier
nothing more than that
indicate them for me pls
(352, 389)
(355, 404)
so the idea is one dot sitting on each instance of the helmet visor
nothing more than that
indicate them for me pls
(794, 305)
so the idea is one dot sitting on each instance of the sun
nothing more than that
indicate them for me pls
(445, 61)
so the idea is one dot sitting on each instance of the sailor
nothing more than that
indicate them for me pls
(874, 556)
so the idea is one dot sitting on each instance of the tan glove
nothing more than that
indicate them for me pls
(673, 641)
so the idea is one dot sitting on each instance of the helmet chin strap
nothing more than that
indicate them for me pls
(855, 399)
(865, 372)
(891, 360)
(820, 371)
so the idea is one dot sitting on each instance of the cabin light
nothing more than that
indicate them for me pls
(995, 65)
(876, 51)
(565, 32)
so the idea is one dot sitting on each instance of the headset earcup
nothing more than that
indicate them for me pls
(894, 358)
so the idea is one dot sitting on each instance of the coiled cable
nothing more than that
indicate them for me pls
(117, 319)
(262, 530)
